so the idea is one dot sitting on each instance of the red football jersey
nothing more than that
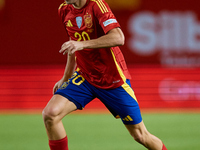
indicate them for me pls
(104, 67)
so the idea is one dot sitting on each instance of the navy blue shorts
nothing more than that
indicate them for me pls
(121, 101)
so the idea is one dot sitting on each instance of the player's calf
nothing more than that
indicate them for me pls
(142, 136)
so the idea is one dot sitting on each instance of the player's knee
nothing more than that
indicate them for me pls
(50, 115)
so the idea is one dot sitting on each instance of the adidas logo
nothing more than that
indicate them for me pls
(69, 24)
(128, 118)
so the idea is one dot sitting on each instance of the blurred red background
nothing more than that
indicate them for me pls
(162, 51)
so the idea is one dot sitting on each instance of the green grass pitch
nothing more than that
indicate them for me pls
(100, 132)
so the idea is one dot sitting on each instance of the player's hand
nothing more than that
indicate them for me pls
(58, 85)
(70, 47)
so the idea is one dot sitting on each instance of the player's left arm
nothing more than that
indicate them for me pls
(114, 37)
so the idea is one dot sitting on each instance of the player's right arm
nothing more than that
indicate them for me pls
(69, 70)
(71, 64)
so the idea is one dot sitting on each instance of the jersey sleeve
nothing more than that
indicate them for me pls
(61, 14)
(105, 16)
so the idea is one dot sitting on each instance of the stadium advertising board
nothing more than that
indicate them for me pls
(155, 87)
(164, 32)
(158, 87)
(162, 51)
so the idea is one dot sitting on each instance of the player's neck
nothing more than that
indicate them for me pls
(79, 4)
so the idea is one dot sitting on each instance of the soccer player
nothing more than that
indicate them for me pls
(95, 69)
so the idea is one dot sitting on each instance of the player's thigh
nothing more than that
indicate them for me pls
(77, 90)
(58, 106)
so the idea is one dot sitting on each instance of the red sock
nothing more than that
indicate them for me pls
(61, 144)
(164, 148)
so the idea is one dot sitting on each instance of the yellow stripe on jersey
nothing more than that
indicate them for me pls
(101, 5)
(125, 86)
(63, 4)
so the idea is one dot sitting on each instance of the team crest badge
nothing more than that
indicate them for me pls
(88, 20)
(79, 21)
